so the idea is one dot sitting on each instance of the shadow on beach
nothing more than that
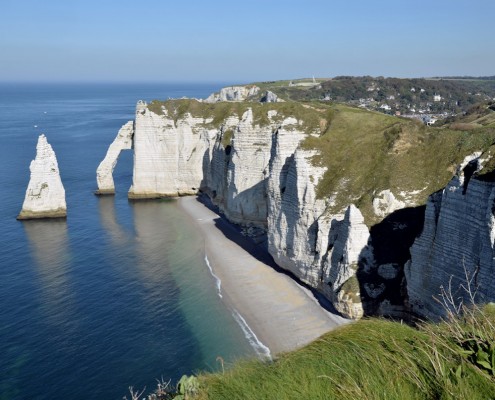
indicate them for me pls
(258, 251)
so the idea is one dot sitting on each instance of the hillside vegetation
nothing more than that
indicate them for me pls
(216, 113)
(406, 96)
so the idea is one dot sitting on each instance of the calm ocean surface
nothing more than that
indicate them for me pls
(119, 294)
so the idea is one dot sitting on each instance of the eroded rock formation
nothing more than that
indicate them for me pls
(45, 194)
(270, 97)
(123, 141)
(168, 154)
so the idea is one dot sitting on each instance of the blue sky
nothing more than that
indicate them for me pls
(217, 40)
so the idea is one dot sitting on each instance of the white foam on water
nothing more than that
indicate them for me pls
(261, 350)
(217, 279)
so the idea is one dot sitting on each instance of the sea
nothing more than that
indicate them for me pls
(119, 294)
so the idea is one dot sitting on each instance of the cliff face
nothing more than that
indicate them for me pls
(235, 169)
(293, 207)
(168, 154)
(45, 194)
(339, 191)
(457, 245)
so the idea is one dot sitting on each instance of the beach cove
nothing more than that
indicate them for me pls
(278, 314)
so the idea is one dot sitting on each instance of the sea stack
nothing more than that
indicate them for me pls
(45, 194)
(104, 177)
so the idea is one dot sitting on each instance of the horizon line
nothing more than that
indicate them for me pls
(222, 81)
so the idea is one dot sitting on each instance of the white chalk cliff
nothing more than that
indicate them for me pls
(45, 194)
(168, 154)
(349, 246)
(254, 162)
(270, 97)
(123, 141)
(457, 245)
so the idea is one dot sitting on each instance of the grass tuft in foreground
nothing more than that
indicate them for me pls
(374, 359)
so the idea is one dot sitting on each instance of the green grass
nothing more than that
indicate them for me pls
(312, 118)
(367, 152)
(369, 359)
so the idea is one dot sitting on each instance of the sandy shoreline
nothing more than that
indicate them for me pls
(282, 314)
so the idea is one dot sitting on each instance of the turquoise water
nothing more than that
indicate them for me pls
(118, 295)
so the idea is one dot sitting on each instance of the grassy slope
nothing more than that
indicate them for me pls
(370, 359)
(366, 152)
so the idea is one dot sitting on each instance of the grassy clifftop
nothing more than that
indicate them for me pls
(311, 118)
(364, 152)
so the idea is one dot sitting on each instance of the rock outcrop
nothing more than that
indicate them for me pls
(385, 203)
(456, 249)
(45, 194)
(233, 93)
(123, 141)
(349, 249)
(269, 97)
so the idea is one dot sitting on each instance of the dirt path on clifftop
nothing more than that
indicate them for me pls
(282, 314)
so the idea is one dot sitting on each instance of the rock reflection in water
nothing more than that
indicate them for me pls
(48, 241)
(153, 241)
(106, 207)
